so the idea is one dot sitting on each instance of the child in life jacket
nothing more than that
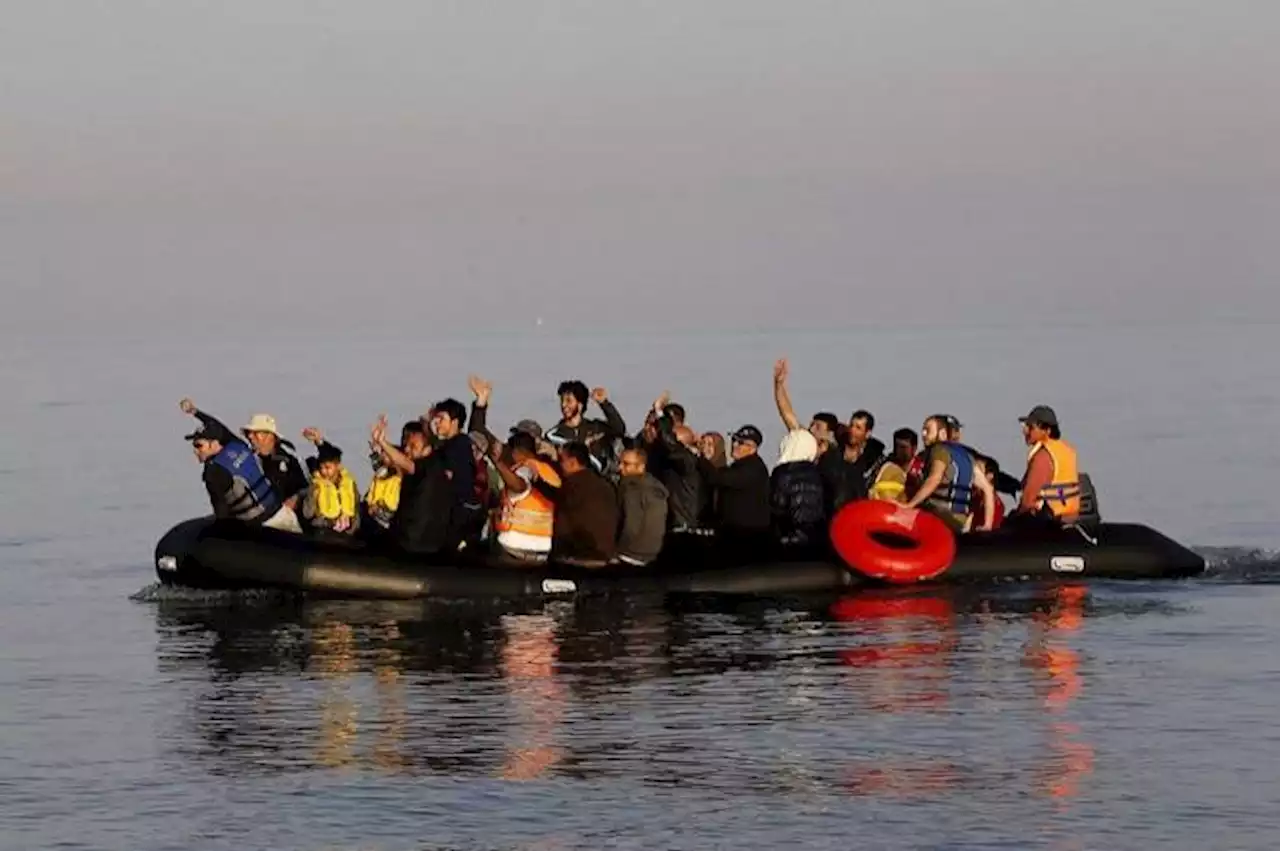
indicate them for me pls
(332, 503)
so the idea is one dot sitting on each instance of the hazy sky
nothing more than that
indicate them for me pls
(741, 162)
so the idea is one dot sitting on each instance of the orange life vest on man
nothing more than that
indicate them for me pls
(1062, 495)
(531, 514)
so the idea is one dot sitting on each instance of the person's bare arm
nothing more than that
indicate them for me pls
(989, 497)
(1039, 475)
(937, 470)
(392, 453)
(514, 482)
(782, 398)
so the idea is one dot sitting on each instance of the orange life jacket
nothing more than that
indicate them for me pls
(533, 514)
(1062, 495)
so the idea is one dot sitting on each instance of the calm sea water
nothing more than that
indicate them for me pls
(1112, 716)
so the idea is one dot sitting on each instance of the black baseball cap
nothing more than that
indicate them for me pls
(748, 434)
(1041, 415)
(204, 433)
(328, 452)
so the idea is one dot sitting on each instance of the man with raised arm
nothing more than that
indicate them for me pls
(598, 435)
(420, 525)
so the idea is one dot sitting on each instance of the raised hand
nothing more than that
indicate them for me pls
(780, 371)
(187, 407)
(600, 395)
(661, 402)
(313, 435)
(480, 388)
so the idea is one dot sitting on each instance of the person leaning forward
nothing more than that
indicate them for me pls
(238, 487)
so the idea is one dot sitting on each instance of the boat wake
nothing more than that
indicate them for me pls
(158, 592)
(1241, 564)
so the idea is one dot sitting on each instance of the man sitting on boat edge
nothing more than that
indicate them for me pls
(233, 476)
(1051, 485)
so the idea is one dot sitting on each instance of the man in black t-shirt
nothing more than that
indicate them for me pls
(421, 523)
(468, 479)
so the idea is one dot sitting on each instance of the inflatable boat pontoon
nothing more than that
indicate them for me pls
(203, 553)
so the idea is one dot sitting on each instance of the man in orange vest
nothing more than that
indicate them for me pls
(526, 518)
(1051, 485)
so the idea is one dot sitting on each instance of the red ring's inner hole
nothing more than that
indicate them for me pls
(894, 541)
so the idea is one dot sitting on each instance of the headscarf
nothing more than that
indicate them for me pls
(798, 445)
(719, 458)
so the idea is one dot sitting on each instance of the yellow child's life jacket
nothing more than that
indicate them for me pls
(383, 497)
(335, 501)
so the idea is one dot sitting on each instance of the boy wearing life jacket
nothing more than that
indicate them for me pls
(332, 503)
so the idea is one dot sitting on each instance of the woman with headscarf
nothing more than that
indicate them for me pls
(797, 496)
(712, 456)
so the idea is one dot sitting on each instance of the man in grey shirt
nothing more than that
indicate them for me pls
(642, 502)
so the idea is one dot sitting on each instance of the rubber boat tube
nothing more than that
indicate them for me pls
(202, 553)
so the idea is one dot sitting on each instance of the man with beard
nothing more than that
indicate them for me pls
(850, 470)
(598, 435)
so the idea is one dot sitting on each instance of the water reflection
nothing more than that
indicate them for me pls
(907, 653)
(904, 648)
(528, 666)
(737, 697)
(1071, 757)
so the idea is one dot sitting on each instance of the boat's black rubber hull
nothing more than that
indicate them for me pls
(202, 554)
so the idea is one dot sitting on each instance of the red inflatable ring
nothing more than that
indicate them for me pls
(886, 541)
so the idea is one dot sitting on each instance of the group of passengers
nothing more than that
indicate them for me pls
(586, 492)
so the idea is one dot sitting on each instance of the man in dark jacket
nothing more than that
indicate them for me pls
(598, 435)
(848, 474)
(233, 476)
(278, 463)
(675, 464)
(642, 502)
(586, 523)
(742, 489)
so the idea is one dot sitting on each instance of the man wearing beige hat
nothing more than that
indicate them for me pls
(278, 464)
(238, 485)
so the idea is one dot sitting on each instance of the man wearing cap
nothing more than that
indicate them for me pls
(280, 466)
(233, 476)
(1051, 485)
(742, 509)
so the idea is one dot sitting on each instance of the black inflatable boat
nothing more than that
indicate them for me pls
(202, 553)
